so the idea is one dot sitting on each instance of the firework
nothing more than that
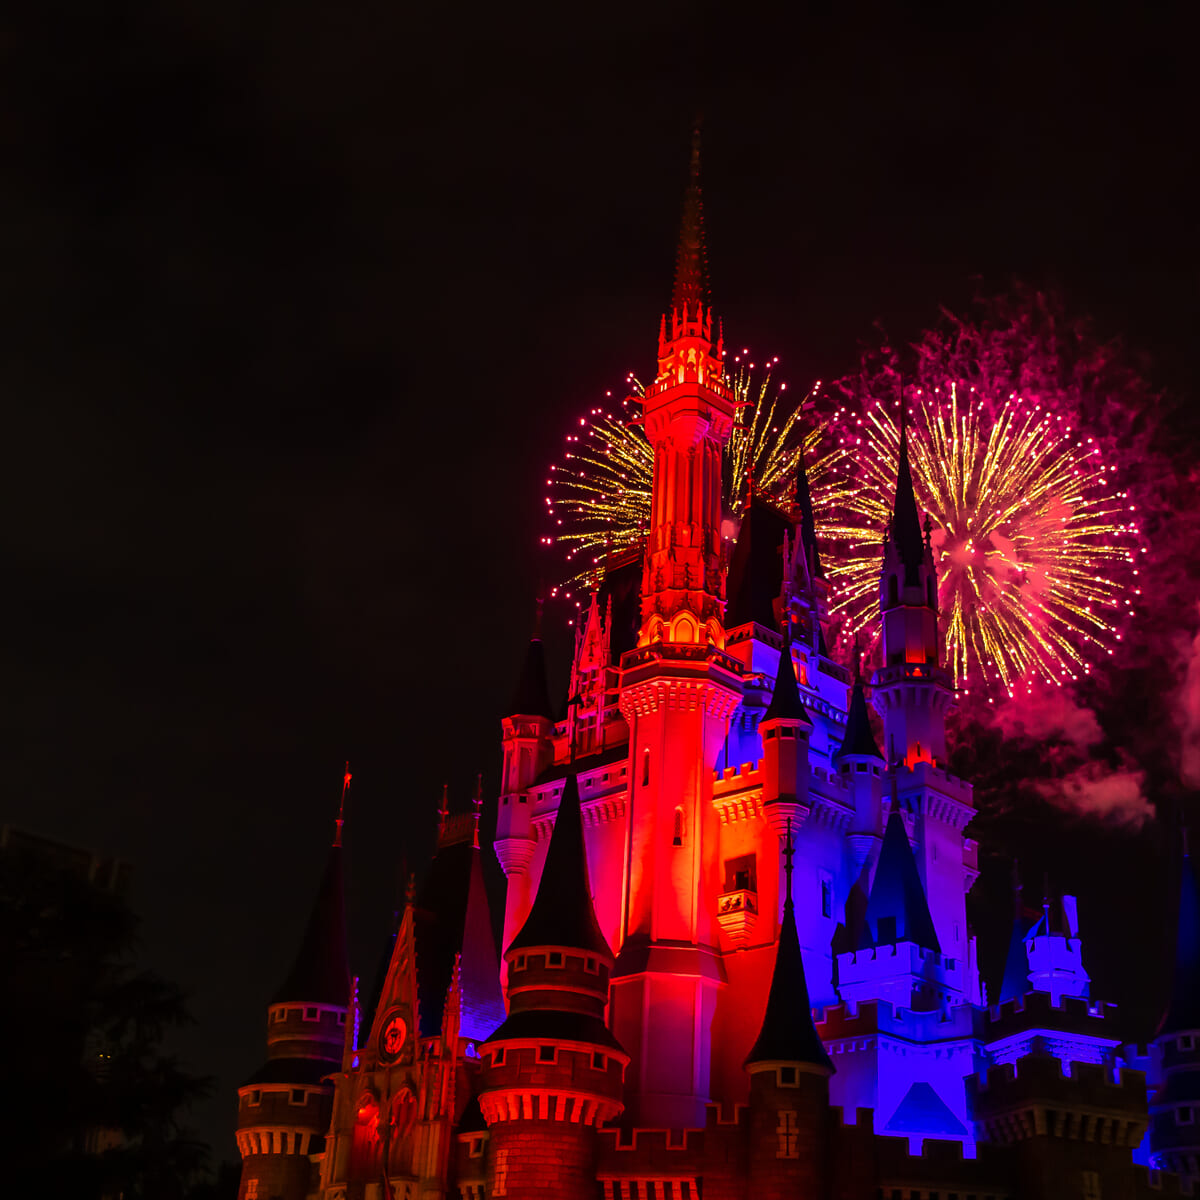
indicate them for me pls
(599, 494)
(1034, 542)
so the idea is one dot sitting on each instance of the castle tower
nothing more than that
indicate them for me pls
(784, 730)
(789, 1078)
(678, 690)
(528, 750)
(1175, 1106)
(553, 1071)
(284, 1107)
(913, 694)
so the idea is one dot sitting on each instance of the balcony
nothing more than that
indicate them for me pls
(737, 912)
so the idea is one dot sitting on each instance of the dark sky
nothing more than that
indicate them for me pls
(298, 301)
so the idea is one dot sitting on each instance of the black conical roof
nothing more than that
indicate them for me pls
(785, 699)
(532, 698)
(906, 520)
(859, 739)
(897, 898)
(563, 913)
(1183, 1008)
(808, 523)
(788, 1034)
(321, 971)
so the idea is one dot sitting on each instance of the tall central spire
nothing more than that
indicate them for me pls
(906, 521)
(691, 263)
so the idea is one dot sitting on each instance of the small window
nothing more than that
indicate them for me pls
(1187, 1042)
(589, 964)
(787, 732)
(860, 768)
(787, 1076)
(476, 1147)
(498, 1057)
(546, 1054)
(312, 1014)
(520, 962)
(599, 1061)
(677, 837)
(299, 1096)
(1185, 1115)
(768, 735)
(256, 1097)
(826, 898)
(1091, 1185)
(554, 958)
(341, 1018)
(646, 767)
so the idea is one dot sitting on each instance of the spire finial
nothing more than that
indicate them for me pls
(857, 660)
(477, 801)
(690, 281)
(341, 817)
(444, 810)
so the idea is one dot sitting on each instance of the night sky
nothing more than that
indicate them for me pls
(298, 301)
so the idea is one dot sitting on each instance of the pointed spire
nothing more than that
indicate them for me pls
(787, 1034)
(532, 697)
(858, 739)
(897, 908)
(785, 699)
(320, 973)
(906, 521)
(563, 913)
(1183, 1008)
(1014, 983)
(802, 498)
(482, 1003)
(341, 817)
(477, 801)
(691, 267)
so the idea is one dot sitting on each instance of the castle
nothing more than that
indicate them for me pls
(736, 959)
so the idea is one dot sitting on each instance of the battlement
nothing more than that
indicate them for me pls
(1044, 1076)
(1072, 1014)
(846, 1020)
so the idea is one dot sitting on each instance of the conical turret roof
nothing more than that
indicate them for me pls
(788, 1034)
(532, 698)
(859, 738)
(808, 522)
(320, 973)
(897, 908)
(785, 699)
(563, 913)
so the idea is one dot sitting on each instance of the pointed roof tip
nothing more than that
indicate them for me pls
(859, 737)
(320, 972)
(532, 696)
(691, 268)
(897, 894)
(785, 703)
(341, 817)
(787, 1033)
(563, 913)
(802, 498)
(906, 520)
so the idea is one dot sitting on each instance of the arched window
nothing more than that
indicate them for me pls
(677, 840)
(646, 767)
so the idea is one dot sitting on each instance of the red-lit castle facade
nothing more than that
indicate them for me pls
(710, 848)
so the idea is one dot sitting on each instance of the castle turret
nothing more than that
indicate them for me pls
(284, 1107)
(784, 730)
(553, 1072)
(861, 765)
(528, 750)
(1175, 1106)
(789, 1077)
(678, 690)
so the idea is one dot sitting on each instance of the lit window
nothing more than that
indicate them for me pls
(251, 1189)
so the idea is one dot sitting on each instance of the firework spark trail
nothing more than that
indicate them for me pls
(1034, 544)
(599, 494)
